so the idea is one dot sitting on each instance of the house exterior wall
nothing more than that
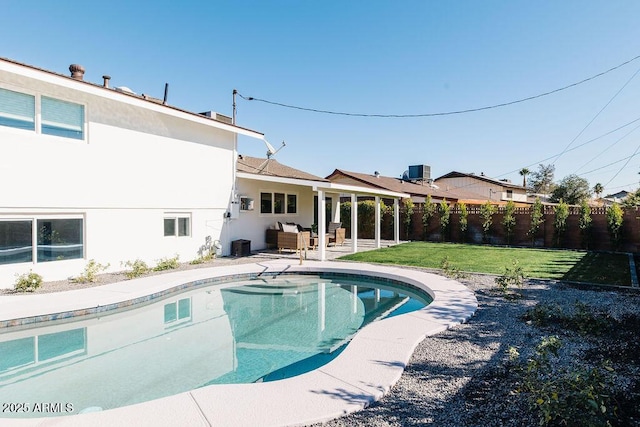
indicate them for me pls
(252, 225)
(138, 163)
(485, 190)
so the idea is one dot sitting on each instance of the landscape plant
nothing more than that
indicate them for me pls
(464, 220)
(449, 270)
(487, 210)
(408, 216)
(509, 220)
(90, 272)
(615, 219)
(27, 282)
(445, 219)
(585, 222)
(136, 268)
(428, 211)
(513, 276)
(167, 264)
(561, 213)
(537, 219)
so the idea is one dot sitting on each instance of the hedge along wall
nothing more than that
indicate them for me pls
(572, 239)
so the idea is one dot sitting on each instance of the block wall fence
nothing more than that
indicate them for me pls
(598, 239)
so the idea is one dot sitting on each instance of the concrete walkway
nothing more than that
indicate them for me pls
(361, 374)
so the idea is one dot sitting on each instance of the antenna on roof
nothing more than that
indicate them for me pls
(272, 151)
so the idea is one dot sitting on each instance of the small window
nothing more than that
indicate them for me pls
(179, 225)
(17, 110)
(278, 203)
(60, 239)
(16, 241)
(292, 203)
(265, 203)
(509, 194)
(62, 118)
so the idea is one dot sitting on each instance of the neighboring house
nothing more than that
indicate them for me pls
(482, 187)
(617, 197)
(92, 172)
(269, 192)
(418, 191)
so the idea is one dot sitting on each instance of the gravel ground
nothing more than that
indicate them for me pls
(462, 377)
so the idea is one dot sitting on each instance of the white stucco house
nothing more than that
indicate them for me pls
(482, 186)
(88, 171)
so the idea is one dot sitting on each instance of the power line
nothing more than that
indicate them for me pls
(608, 148)
(446, 113)
(623, 166)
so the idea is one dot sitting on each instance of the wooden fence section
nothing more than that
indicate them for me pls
(597, 239)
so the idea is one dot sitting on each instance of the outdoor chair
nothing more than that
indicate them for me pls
(335, 233)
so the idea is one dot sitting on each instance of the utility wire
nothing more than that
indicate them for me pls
(595, 117)
(446, 113)
(608, 148)
(623, 166)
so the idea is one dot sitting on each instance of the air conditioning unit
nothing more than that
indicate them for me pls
(219, 117)
(420, 173)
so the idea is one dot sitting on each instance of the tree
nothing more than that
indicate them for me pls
(614, 224)
(509, 220)
(486, 213)
(632, 200)
(537, 219)
(445, 217)
(464, 220)
(598, 189)
(572, 189)
(428, 211)
(408, 216)
(542, 180)
(523, 173)
(585, 223)
(561, 212)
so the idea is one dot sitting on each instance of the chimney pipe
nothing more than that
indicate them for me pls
(106, 81)
(77, 71)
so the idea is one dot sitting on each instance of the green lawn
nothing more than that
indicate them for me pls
(581, 266)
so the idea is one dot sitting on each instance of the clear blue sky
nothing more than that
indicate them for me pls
(376, 57)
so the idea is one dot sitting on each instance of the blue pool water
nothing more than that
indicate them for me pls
(255, 330)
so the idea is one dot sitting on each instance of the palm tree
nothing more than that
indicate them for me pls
(598, 189)
(523, 173)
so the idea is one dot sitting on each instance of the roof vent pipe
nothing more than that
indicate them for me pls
(377, 174)
(77, 71)
(106, 81)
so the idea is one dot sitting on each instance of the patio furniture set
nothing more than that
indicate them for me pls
(291, 236)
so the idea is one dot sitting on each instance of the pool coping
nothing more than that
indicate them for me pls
(366, 370)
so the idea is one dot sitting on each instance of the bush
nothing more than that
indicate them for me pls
(137, 268)
(167, 264)
(615, 217)
(90, 273)
(513, 276)
(451, 271)
(28, 282)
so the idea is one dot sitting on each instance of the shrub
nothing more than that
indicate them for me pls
(561, 212)
(449, 270)
(90, 273)
(137, 268)
(486, 213)
(537, 219)
(28, 282)
(464, 220)
(509, 220)
(513, 276)
(428, 211)
(445, 218)
(203, 258)
(167, 264)
(585, 222)
(614, 224)
(408, 215)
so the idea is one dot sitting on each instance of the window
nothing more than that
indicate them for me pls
(62, 118)
(179, 311)
(292, 203)
(265, 203)
(177, 225)
(509, 194)
(17, 110)
(278, 203)
(59, 239)
(53, 239)
(16, 241)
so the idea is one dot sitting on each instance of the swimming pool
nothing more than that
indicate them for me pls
(363, 372)
(261, 329)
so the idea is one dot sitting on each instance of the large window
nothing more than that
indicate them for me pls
(62, 118)
(54, 239)
(178, 225)
(278, 203)
(17, 110)
(58, 117)
(60, 239)
(16, 241)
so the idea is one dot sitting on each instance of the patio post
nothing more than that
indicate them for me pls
(396, 221)
(377, 222)
(354, 222)
(322, 226)
(335, 207)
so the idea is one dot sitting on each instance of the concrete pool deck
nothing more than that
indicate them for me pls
(370, 365)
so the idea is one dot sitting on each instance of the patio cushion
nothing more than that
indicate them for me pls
(288, 228)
